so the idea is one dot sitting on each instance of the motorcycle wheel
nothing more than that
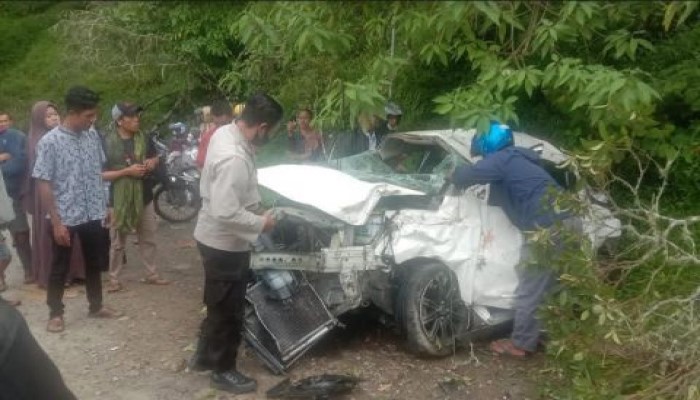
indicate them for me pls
(176, 203)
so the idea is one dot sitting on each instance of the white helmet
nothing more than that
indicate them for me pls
(392, 109)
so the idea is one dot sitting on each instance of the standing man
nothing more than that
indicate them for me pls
(222, 114)
(527, 194)
(130, 158)
(68, 169)
(364, 137)
(228, 223)
(13, 162)
(5, 121)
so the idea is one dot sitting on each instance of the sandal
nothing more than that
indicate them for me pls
(505, 347)
(114, 286)
(106, 313)
(155, 280)
(55, 325)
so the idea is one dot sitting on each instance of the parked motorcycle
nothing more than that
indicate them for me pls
(183, 147)
(176, 197)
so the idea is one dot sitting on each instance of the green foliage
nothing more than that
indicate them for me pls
(48, 65)
(23, 23)
(609, 80)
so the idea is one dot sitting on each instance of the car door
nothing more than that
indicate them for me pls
(475, 240)
(494, 276)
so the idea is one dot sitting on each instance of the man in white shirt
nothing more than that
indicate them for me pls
(228, 223)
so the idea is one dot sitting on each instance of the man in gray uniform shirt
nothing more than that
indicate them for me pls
(227, 225)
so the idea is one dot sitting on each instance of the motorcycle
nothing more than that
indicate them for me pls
(183, 148)
(176, 197)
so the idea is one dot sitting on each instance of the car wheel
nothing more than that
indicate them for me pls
(430, 309)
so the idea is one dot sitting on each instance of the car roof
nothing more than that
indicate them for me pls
(460, 141)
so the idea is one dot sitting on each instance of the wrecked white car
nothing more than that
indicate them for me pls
(384, 228)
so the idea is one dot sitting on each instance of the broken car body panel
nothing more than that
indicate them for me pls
(476, 241)
(333, 192)
(380, 210)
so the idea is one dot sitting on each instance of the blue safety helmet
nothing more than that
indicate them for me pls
(498, 136)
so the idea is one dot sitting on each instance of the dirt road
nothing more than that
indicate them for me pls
(142, 355)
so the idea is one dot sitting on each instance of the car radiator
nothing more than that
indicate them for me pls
(280, 332)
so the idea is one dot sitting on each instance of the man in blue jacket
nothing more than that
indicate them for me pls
(13, 162)
(526, 193)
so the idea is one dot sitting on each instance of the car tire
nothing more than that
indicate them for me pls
(429, 308)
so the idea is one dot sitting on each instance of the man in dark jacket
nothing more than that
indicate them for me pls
(13, 162)
(364, 137)
(526, 193)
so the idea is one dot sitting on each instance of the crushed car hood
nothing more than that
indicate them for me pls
(336, 193)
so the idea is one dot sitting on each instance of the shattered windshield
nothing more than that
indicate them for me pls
(418, 166)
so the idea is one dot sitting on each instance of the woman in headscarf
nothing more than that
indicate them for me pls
(44, 118)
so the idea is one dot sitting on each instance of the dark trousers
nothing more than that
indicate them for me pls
(225, 281)
(26, 371)
(19, 229)
(535, 282)
(93, 245)
(23, 246)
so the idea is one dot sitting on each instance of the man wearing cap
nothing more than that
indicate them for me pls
(68, 171)
(130, 158)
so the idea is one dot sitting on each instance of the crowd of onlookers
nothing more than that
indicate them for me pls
(88, 190)
(307, 144)
(85, 191)
(33, 243)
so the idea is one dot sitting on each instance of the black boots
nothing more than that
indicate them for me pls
(233, 381)
(230, 381)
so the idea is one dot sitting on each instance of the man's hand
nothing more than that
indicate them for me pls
(270, 222)
(5, 157)
(109, 218)
(61, 235)
(151, 164)
(136, 170)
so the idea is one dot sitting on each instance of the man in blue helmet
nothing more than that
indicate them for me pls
(526, 193)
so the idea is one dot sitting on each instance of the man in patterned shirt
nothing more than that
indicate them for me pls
(68, 170)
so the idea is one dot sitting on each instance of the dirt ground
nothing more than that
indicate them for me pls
(143, 354)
